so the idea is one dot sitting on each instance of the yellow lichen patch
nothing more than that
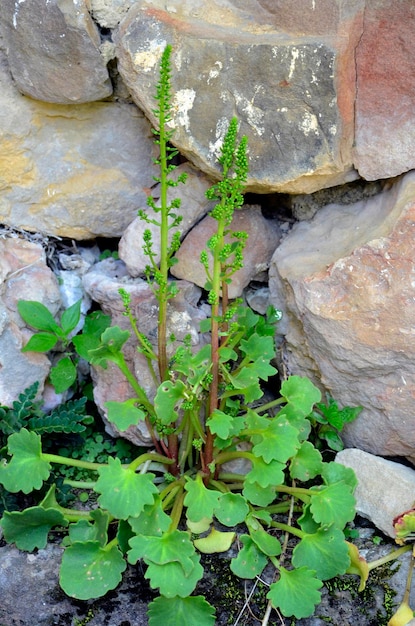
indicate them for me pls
(16, 168)
(82, 183)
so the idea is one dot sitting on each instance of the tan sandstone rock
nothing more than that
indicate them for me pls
(346, 283)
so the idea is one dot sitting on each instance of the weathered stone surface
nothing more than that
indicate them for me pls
(293, 95)
(53, 51)
(31, 595)
(385, 103)
(77, 171)
(109, 13)
(346, 283)
(194, 205)
(263, 238)
(102, 283)
(23, 276)
(385, 489)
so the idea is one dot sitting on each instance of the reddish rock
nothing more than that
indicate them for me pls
(263, 238)
(385, 105)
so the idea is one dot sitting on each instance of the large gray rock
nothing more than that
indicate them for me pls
(346, 283)
(293, 95)
(53, 50)
(78, 171)
(24, 275)
(385, 489)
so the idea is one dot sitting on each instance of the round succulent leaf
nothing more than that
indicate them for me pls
(232, 509)
(200, 501)
(27, 469)
(334, 472)
(250, 560)
(268, 544)
(169, 547)
(172, 580)
(333, 504)
(184, 611)
(89, 570)
(325, 551)
(123, 492)
(296, 592)
(279, 441)
(215, 541)
(301, 393)
(152, 521)
(257, 495)
(29, 529)
(265, 474)
(82, 530)
(124, 414)
(307, 463)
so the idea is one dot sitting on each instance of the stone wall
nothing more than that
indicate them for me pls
(324, 91)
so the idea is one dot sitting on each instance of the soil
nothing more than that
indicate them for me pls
(31, 595)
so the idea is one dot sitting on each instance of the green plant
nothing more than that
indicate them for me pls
(167, 506)
(328, 420)
(60, 336)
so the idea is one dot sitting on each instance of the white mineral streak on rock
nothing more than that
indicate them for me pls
(254, 115)
(182, 104)
(150, 57)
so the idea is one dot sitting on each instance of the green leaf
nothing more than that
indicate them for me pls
(152, 521)
(63, 375)
(307, 463)
(295, 593)
(333, 504)
(171, 580)
(112, 341)
(82, 531)
(265, 474)
(250, 560)
(257, 495)
(183, 611)
(232, 509)
(325, 551)
(224, 425)
(170, 547)
(268, 544)
(200, 501)
(168, 395)
(29, 529)
(166, 548)
(279, 441)
(41, 342)
(216, 541)
(70, 317)
(27, 469)
(36, 315)
(301, 393)
(89, 571)
(95, 324)
(335, 472)
(124, 414)
(123, 492)
(338, 417)
(258, 347)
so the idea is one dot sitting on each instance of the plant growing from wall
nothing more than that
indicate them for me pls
(185, 497)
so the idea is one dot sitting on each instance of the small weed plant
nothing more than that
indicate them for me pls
(185, 497)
